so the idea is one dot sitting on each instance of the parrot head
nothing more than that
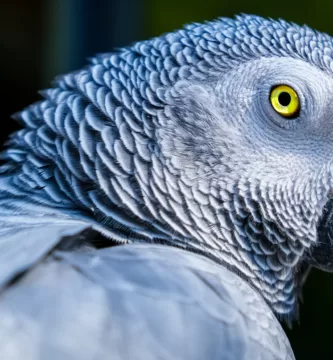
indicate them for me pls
(217, 138)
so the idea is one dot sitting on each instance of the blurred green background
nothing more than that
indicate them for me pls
(40, 39)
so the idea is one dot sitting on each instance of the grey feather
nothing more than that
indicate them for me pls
(171, 141)
(136, 302)
(23, 246)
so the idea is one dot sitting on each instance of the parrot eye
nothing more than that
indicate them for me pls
(285, 101)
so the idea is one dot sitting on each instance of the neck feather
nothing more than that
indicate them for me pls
(71, 159)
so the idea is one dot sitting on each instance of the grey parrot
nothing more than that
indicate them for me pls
(168, 200)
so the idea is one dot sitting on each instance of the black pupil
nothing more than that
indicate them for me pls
(284, 99)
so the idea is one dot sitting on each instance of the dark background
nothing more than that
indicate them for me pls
(40, 39)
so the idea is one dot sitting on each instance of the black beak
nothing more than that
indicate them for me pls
(321, 255)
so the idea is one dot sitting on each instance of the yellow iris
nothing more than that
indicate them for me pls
(285, 101)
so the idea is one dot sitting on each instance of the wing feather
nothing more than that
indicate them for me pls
(136, 302)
